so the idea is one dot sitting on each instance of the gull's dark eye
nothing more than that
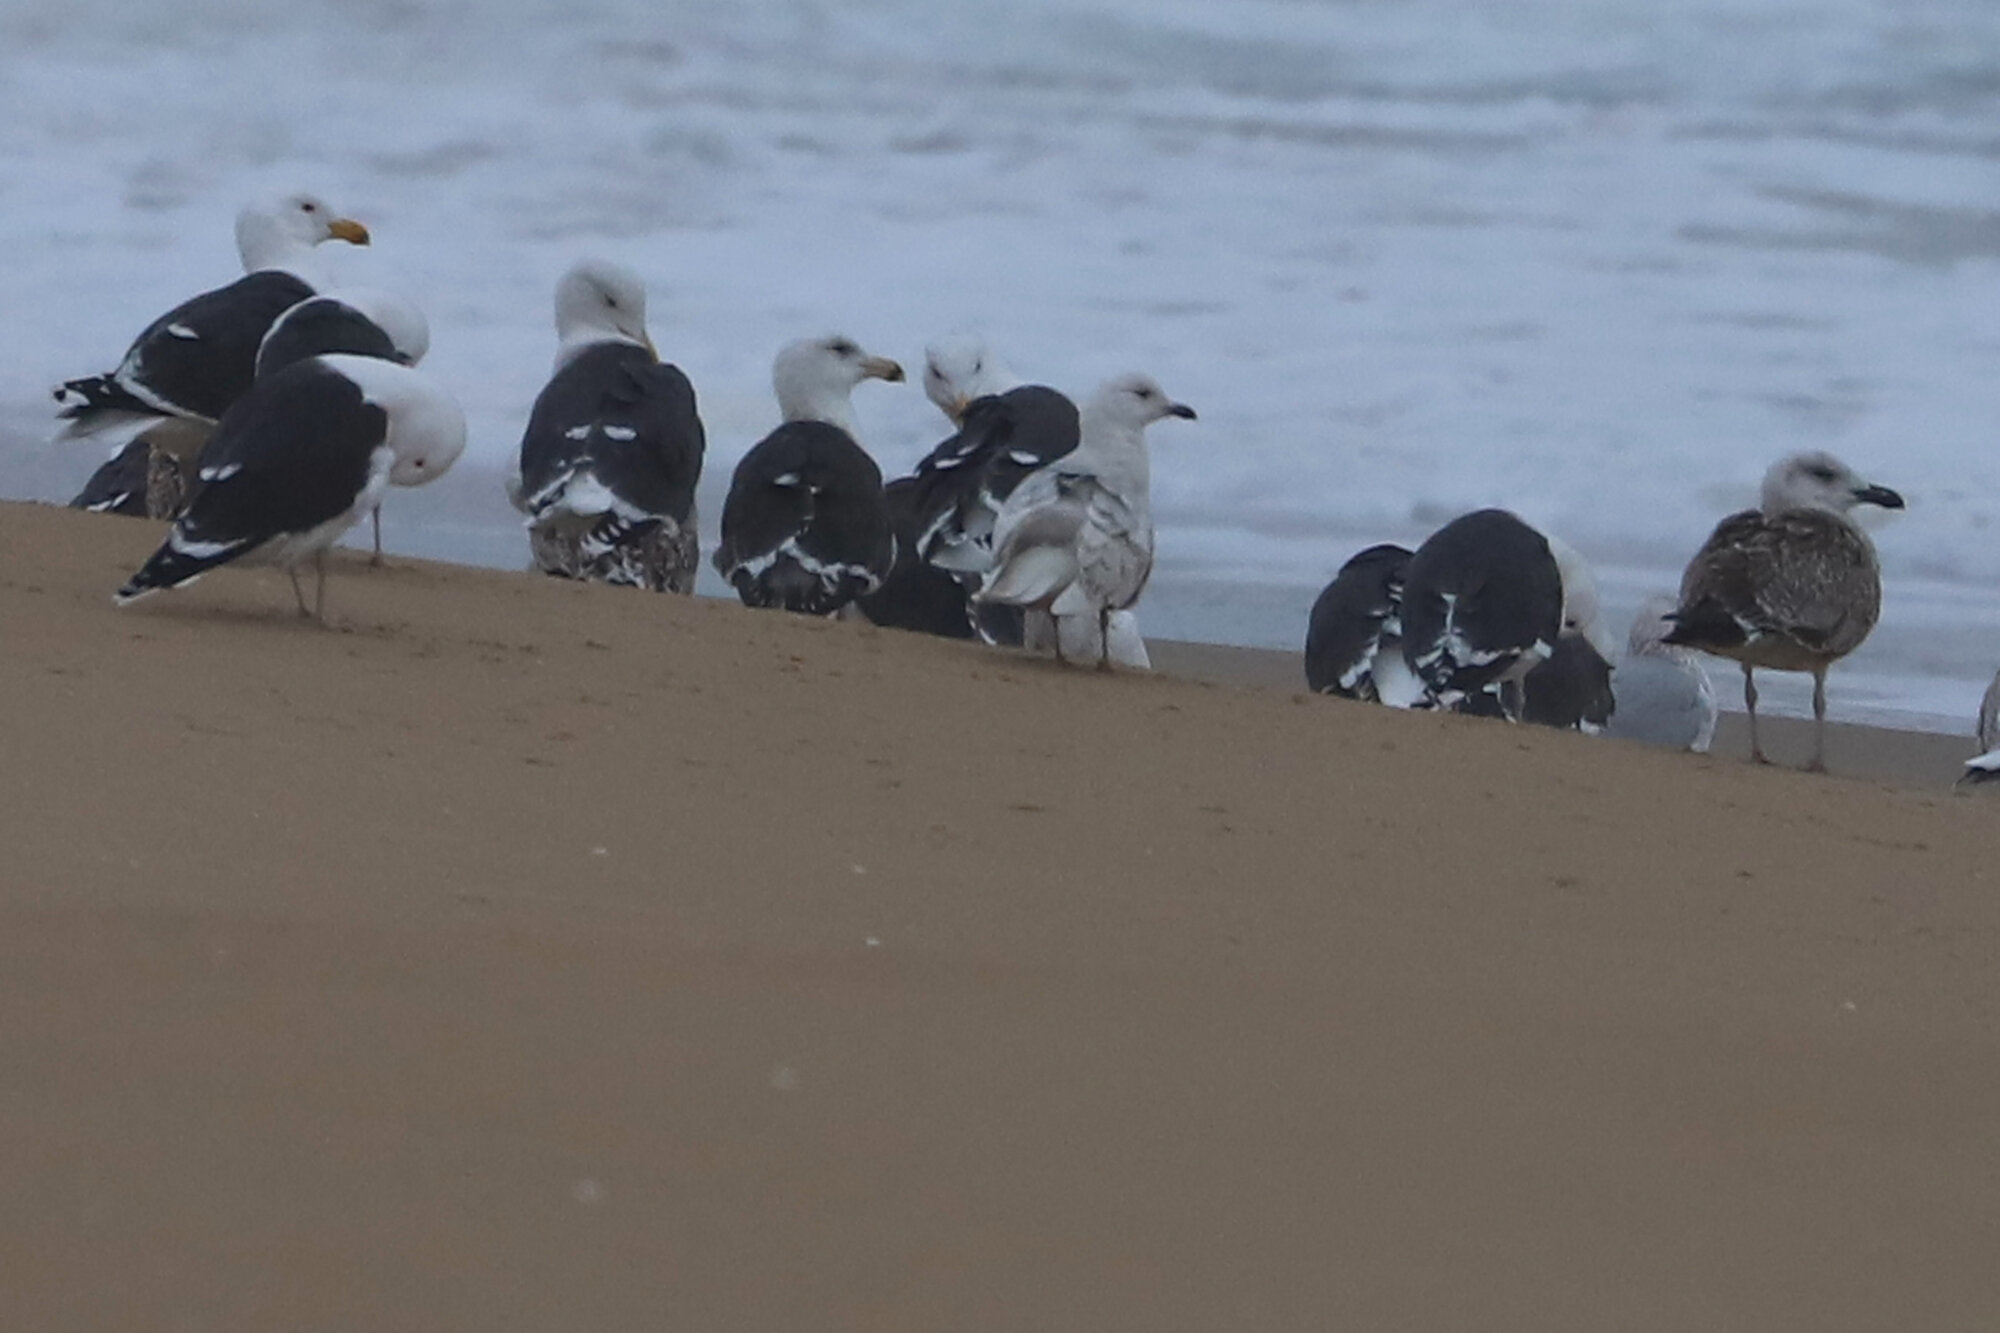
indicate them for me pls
(842, 347)
(310, 206)
(1820, 472)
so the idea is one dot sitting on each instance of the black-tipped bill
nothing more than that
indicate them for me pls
(1878, 495)
(1181, 410)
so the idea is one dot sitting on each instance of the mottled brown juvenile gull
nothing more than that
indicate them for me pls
(1790, 586)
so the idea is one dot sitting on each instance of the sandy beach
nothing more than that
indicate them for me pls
(524, 955)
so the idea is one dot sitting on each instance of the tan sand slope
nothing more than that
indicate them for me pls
(530, 956)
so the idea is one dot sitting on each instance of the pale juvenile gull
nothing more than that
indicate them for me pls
(613, 448)
(1664, 696)
(1354, 634)
(806, 527)
(298, 460)
(1075, 538)
(1791, 586)
(1482, 606)
(1985, 766)
(186, 367)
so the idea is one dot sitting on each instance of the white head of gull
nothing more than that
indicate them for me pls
(814, 379)
(960, 367)
(281, 233)
(599, 301)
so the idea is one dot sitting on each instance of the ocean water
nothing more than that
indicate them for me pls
(1599, 261)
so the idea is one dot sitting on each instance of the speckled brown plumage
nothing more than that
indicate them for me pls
(1802, 587)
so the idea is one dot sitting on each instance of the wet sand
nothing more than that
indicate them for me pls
(524, 955)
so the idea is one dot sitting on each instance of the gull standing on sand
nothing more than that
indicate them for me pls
(1791, 586)
(1482, 607)
(185, 368)
(806, 527)
(1075, 539)
(361, 321)
(613, 448)
(1664, 696)
(298, 461)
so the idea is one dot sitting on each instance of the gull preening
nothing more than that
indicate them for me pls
(1354, 635)
(1075, 538)
(613, 449)
(806, 527)
(298, 461)
(1793, 585)
(1482, 606)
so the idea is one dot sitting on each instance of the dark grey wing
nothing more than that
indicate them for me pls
(319, 326)
(291, 455)
(195, 360)
(805, 525)
(1482, 592)
(119, 486)
(961, 485)
(1350, 620)
(1571, 688)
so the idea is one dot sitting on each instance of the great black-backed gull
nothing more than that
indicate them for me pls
(1482, 606)
(1003, 429)
(806, 527)
(1354, 634)
(298, 460)
(144, 482)
(359, 321)
(1572, 688)
(1664, 696)
(1007, 429)
(1075, 538)
(1790, 586)
(185, 369)
(614, 446)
